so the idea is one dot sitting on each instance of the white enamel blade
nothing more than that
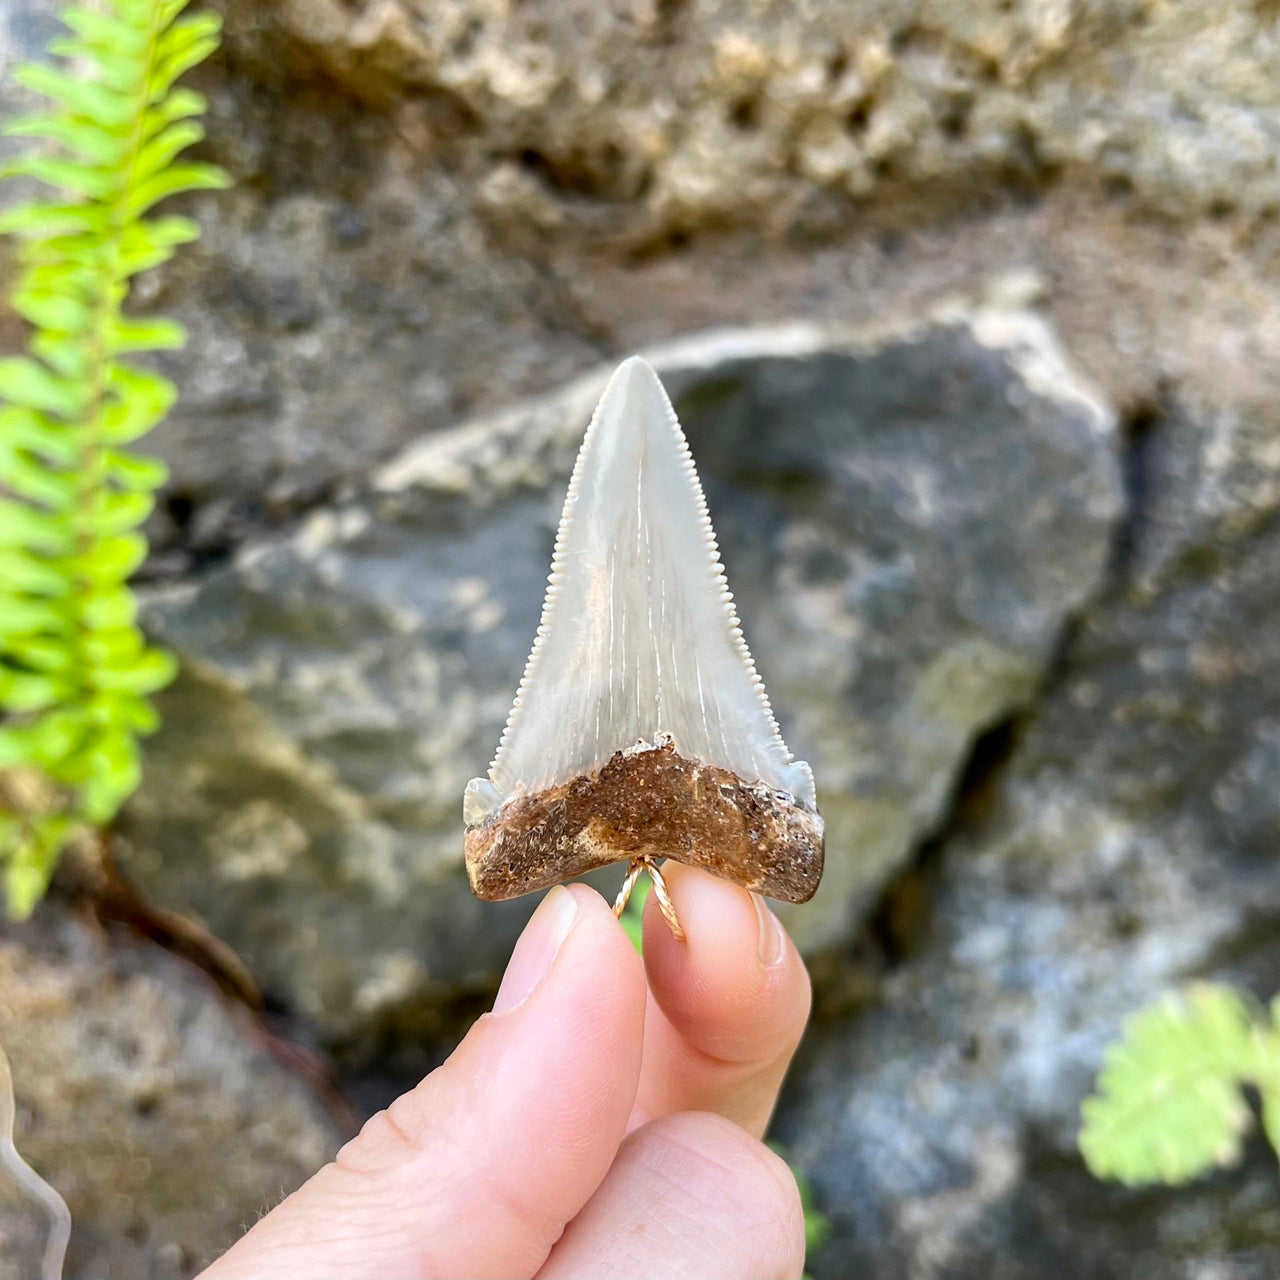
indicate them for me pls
(639, 636)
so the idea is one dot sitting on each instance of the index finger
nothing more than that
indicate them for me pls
(726, 1007)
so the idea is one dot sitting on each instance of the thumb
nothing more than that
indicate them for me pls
(477, 1170)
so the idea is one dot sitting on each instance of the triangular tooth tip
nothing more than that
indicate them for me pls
(632, 381)
(603, 666)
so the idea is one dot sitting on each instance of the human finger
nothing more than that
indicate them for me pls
(689, 1196)
(727, 1005)
(476, 1171)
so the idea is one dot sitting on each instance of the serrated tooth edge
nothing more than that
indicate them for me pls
(557, 567)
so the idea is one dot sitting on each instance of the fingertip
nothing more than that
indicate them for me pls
(736, 987)
(695, 1191)
(603, 932)
(595, 971)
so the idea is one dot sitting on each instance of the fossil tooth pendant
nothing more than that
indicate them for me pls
(641, 729)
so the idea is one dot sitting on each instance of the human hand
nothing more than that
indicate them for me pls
(603, 1121)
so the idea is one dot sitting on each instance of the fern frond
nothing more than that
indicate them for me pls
(75, 671)
(1169, 1105)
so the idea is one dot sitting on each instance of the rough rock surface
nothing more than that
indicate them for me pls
(907, 520)
(153, 1106)
(671, 116)
(1128, 846)
(392, 261)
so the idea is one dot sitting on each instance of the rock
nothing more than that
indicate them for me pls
(649, 118)
(155, 1107)
(416, 235)
(1130, 847)
(908, 520)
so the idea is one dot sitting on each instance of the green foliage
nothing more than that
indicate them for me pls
(1169, 1105)
(75, 671)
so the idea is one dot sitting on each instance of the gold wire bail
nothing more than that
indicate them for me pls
(637, 868)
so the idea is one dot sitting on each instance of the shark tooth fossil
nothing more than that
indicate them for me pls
(641, 729)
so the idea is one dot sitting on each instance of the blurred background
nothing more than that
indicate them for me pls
(969, 308)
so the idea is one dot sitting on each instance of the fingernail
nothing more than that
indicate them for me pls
(538, 946)
(771, 942)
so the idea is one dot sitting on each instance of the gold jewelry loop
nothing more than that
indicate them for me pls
(664, 901)
(634, 872)
(637, 868)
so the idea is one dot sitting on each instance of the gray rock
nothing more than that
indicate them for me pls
(418, 234)
(907, 519)
(643, 119)
(1131, 846)
(155, 1107)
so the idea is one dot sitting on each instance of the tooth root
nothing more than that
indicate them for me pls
(639, 643)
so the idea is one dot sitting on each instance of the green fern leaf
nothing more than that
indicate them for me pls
(133, 471)
(75, 671)
(53, 308)
(105, 31)
(125, 335)
(43, 219)
(96, 145)
(171, 182)
(1168, 1106)
(83, 98)
(29, 384)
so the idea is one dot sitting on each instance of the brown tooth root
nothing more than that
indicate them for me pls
(649, 804)
(638, 652)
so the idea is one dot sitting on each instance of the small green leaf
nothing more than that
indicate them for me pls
(42, 654)
(152, 671)
(29, 478)
(53, 309)
(1168, 1106)
(174, 181)
(133, 710)
(95, 145)
(27, 382)
(31, 429)
(143, 398)
(70, 175)
(161, 150)
(30, 862)
(54, 739)
(185, 44)
(43, 219)
(113, 559)
(82, 97)
(22, 570)
(72, 360)
(22, 525)
(116, 647)
(28, 691)
(104, 607)
(134, 471)
(151, 334)
(28, 614)
(105, 29)
(120, 512)
(179, 105)
(1271, 1117)
(116, 772)
(147, 244)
